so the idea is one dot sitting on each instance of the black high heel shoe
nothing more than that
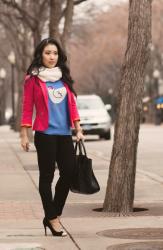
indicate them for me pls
(46, 223)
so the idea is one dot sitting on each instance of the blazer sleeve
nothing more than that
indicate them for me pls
(75, 113)
(27, 103)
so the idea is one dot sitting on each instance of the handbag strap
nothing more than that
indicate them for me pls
(80, 144)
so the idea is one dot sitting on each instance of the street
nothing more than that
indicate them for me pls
(149, 159)
(21, 210)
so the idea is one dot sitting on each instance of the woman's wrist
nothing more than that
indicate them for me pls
(23, 135)
(79, 130)
(24, 132)
(77, 127)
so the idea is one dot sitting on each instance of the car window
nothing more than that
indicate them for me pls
(90, 103)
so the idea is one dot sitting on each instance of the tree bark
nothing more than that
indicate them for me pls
(119, 196)
(55, 14)
(68, 22)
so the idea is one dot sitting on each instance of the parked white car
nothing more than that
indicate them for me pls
(94, 117)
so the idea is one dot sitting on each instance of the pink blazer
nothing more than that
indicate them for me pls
(35, 94)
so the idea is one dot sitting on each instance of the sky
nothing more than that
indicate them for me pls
(103, 3)
(95, 6)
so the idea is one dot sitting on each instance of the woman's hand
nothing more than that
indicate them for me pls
(24, 138)
(25, 143)
(79, 131)
(79, 135)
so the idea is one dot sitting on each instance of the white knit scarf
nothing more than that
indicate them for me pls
(50, 74)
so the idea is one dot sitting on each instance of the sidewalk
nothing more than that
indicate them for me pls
(88, 228)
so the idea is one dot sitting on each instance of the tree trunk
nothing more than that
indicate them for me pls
(19, 104)
(68, 22)
(55, 15)
(36, 37)
(119, 196)
(21, 68)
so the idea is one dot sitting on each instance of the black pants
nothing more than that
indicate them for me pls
(53, 149)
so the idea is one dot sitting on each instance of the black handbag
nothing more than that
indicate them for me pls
(83, 180)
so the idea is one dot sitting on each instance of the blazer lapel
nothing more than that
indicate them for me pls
(44, 91)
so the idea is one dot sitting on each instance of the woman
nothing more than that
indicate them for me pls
(48, 87)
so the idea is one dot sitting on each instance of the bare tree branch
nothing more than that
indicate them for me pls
(27, 17)
(76, 2)
(42, 6)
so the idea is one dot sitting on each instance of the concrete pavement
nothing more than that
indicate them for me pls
(88, 228)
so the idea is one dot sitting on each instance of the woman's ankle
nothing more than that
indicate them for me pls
(54, 220)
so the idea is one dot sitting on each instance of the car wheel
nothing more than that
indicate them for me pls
(106, 136)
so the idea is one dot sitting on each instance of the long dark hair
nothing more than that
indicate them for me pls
(62, 61)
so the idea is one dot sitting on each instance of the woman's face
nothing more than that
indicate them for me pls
(50, 56)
